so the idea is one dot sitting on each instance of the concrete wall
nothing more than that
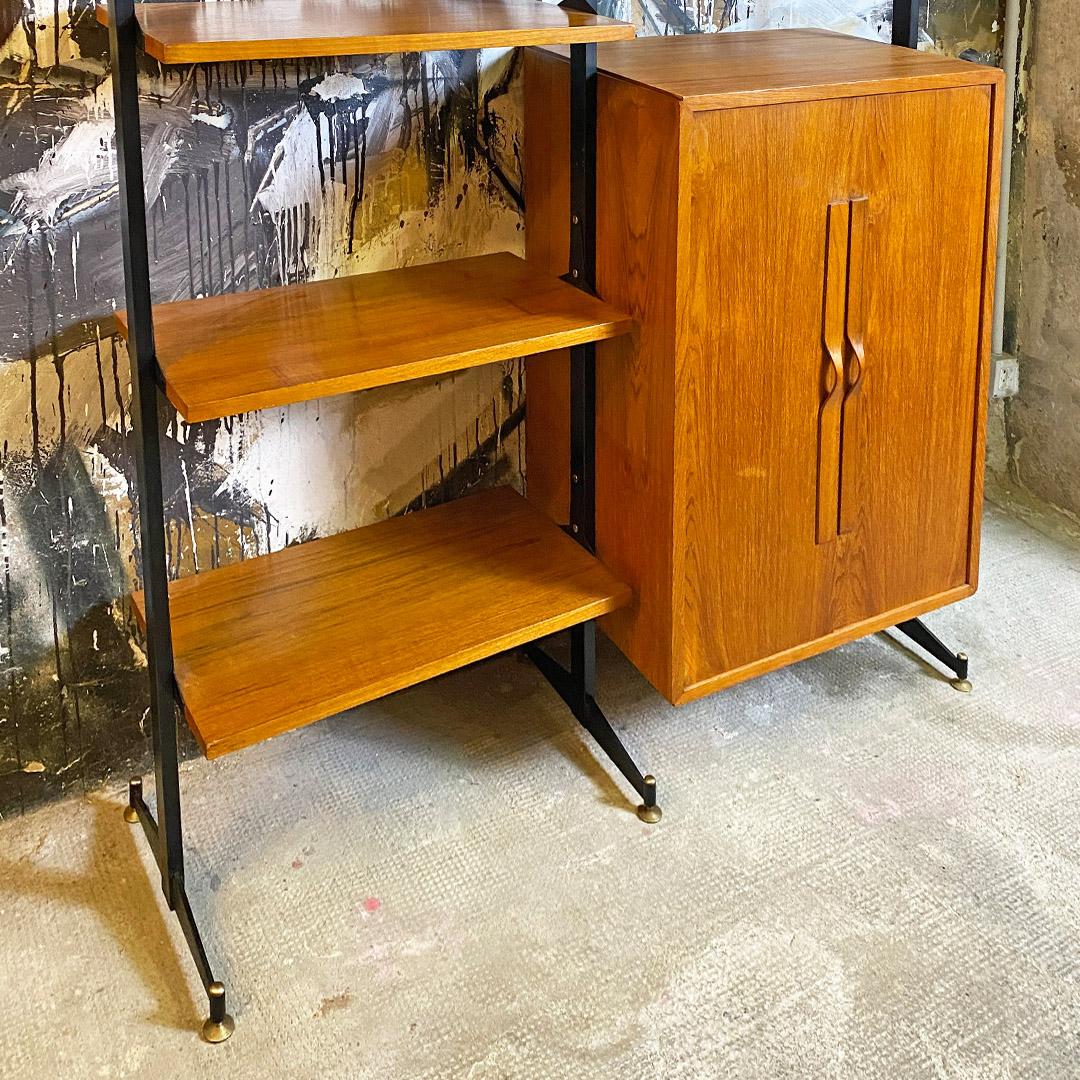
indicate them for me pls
(258, 175)
(1043, 423)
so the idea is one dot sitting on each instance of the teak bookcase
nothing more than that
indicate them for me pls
(790, 445)
(437, 589)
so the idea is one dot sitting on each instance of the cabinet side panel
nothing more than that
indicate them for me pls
(547, 245)
(982, 397)
(638, 174)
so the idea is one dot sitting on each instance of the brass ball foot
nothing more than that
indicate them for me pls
(215, 1032)
(963, 685)
(649, 814)
(131, 816)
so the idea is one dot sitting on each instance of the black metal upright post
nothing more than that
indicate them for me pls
(583, 77)
(145, 413)
(165, 834)
(582, 273)
(905, 23)
(577, 687)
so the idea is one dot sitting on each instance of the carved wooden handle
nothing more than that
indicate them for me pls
(855, 333)
(833, 377)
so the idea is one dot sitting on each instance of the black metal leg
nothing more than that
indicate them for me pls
(131, 811)
(219, 1026)
(957, 663)
(591, 717)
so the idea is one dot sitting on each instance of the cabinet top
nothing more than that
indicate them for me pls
(761, 67)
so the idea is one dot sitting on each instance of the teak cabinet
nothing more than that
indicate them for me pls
(790, 446)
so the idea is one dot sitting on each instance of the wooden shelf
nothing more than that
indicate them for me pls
(245, 351)
(280, 641)
(189, 33)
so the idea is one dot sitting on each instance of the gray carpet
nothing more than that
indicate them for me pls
(860, 873)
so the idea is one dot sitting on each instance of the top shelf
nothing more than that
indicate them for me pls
(187, 33)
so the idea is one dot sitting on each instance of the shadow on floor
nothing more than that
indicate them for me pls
(901, 646)
(116, 888)
(460, 713)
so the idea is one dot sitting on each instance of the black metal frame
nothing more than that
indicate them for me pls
(164, 834)
(905, 23)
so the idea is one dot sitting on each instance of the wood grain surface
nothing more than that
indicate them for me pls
(285, 639)
(757, 583)
(243, 351)
(750, 362)
(547, 247)
(763, 67)
(830, 412)
(736, 231)
(186, 33)
(854, 364)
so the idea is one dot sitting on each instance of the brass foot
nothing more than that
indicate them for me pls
(214, 1031)
(648, 811)
(217, 1031)
(131, 816)
(961, 682)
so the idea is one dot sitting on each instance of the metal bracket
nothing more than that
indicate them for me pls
(926, 639)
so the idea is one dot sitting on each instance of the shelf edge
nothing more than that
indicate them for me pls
(229, 51)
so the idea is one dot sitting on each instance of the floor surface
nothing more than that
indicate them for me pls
(860, 873)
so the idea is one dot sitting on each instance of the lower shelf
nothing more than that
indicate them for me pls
(280, 641)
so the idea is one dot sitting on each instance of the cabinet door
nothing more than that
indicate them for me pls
(911, 430)
(776, 439)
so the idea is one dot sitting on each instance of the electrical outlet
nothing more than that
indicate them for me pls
(1004, 377)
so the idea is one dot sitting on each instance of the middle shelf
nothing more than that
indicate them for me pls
(244, 351)
(282, 640)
